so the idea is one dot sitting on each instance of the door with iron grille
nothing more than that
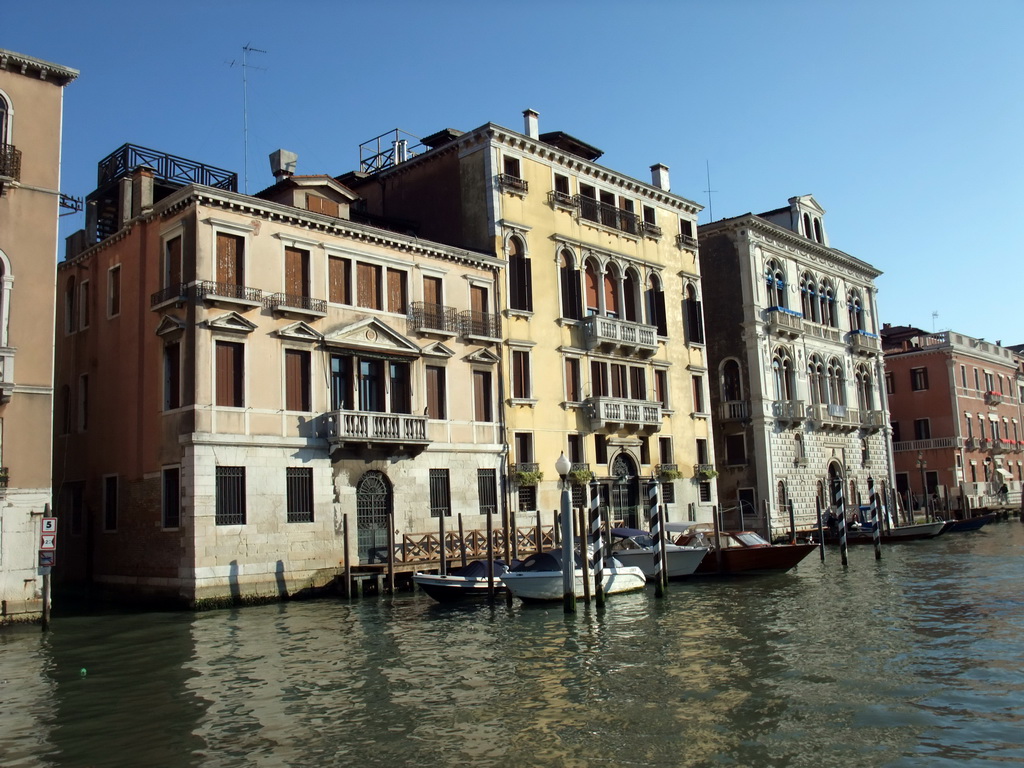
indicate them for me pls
(625, 491)
(373, 516)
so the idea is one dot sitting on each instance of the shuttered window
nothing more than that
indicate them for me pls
(432, 290)
(637, 383)
(340, 278)
(611, 296)
(520, 374)
(619, 386)
(296, 272)
(296, 375)
(172, 376)
(591, 288)
(230, 358)
(317, 204)
(401, 391)
(572, 379)
(482, 396)
(397, 292)
(368, 285)
(520, 276)
(114, 291)
(436, 395)
(172, 261)
(230, 259)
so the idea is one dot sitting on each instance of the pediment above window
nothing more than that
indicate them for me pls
(483, 357)
(299, 332)
(231, 322)
(170, 325)
(437, 349)
(373, 335)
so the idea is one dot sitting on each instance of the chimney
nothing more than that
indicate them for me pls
(531, 123)
(282, 163)
(142, 190)
(659, 176)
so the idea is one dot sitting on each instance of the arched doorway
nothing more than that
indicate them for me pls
(625, 491)
(835, 487)
(373, 515)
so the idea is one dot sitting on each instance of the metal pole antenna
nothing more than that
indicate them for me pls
(245, 109)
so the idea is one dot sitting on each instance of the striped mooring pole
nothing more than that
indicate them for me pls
(597, 536)
(841, 512)
(652, 497)
(875, 518)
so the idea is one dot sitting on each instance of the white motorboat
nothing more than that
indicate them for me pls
(539, 577)
(632, 546)
(461, 583)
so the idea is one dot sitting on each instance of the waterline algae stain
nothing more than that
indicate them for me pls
(910, 660)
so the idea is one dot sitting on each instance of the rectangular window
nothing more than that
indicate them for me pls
(977, 380)
(440, 493)
(510, 165)
(895, 431)
(600, 449)
(296, 380)
(637, 383)
(665, 450)
(296, 272)
(649, 215)
(371, 386)
(482, 410)
(645, 449)
(83, 304)
(230, 488)
(368, 286)
(170, 500)
(918, 379)
(172, 376)
(970, 425)
(339, 270)
(890, 384)
(401, 389)
(698, 394)
(83, 402)
(562, 184)
(230, 371)
(702, 451)
(598, 379)
(398, 294)
(735, 450)
(686, 227)
(230, 259)
(114, 291)
(172, 262)
(922, 429)
(620, 386)
(704, 491)
(317, 204)
(575, 443)
(963, 376)
(661, 387)
(487, 491)
(299, 489)
(989, 381)
(110, 502)
(520, 374)
(527, 498)
(523, 447)
(436, 393)
(341, 382)
(573, 392)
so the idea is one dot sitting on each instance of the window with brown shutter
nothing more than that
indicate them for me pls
(296, 272)
(572, 379)
(172, 376)
(172, 262)
(520, 374)
(317, 204)
(296, 380)
(619, 386)
(368, 285)
(436, 395)
(114, 291)
(637, 383)
(400, 386)
(482, 395)
(230, 357)
(611, 296)
(431, 290)
(397, 292)
(340, 277)
(230, 259)
(591, 289)
(598, 378)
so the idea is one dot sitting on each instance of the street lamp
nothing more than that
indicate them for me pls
(921, 464)
(562, 467)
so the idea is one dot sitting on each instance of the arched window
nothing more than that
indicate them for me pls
(782, 371)
(827, 299)
(656, 306)
(592, 280)
(5, 120)
(856, 311)
(569, 276)
(817, 230)
(836, 382)
(809, 297)
(631, 296)
(865, 389)
(783, 497)
(520, 275)
(732, 384)
(611, 292)
(816, 380)
(373, 512)
(775, 280)
(807, 226)
(693, 316)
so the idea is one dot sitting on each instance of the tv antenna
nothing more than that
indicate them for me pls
(246, 50)
(709, 190)
(935, 316)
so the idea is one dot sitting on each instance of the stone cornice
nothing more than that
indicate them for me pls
(33, 67)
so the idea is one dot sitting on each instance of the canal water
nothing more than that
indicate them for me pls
(915, 660)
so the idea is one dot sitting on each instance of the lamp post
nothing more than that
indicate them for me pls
(921, 464)
(988, 475)
(562, 467)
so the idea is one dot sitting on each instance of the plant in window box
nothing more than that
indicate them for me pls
(707, 473)
(580, 476)
(527, 479)
(668, 475)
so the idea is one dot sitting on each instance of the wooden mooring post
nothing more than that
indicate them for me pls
(821, 529)
(875, 518)
(598, 538)
(581, 515)
(348, 556)
(490, 554)
(462, 542)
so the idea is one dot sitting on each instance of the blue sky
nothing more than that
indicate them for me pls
(903, 119)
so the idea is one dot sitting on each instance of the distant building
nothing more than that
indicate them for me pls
(31, 104)
(244, 378)
(955, 404)
(603, 355)
(795, 359)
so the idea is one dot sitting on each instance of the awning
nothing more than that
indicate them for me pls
(1004, 473)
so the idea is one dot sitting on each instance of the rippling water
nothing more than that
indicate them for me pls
(911, 661)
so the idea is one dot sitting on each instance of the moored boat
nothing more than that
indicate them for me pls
(632, 546)
(970, 523)
(539, 577)
(461, 583)
(742, 552)
(865, 533)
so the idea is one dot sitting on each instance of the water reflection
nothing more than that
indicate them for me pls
(913, 660)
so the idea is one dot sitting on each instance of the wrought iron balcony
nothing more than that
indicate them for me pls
(524, 466)
(514, 183)
(10, 162)
(784, 322)
(174, 292)
(835, 416)
(652, 230)
(686, 241)
(993, 398)
(864, 343)
(608, 414)
(790, 411)
(664, 468)
(610, 334)
(433, 318)
(734, 410)
(562, 200)
(608, 215)
(372, 427)
(288, 303)
(480, 325)
(227, 293)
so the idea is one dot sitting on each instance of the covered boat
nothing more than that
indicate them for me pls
(632, 546)
(864, 533)
(742, 552)
(970, 523)
(539, 577)
(461, 583)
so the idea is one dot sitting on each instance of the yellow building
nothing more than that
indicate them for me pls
(603, 353)
(31, 98)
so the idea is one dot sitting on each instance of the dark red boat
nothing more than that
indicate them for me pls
(743, 552)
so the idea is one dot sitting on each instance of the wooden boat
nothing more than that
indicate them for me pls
(463, 583)
(632, 546)
(742, 553)
(970, 524)
(539, 577)
(865, 533)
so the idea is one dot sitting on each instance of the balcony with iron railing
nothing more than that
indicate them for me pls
(864, 343)
(172, 294)
(292, 304)
(523, 466)
(652, 230)
(562, 200)
(993, 397)
(734, 410)
(10, 163)
(435, 319)
(608, 414)
(512, 183)
(834, 415)
(374, 428)
(480, 326)
(686, 241)
(784, 322)
(608, 215)
(126, 158)
(610, 334)
(230, 294)
(789, 411)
